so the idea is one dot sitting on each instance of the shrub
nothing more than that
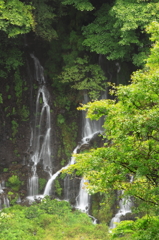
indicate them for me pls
(14, 182)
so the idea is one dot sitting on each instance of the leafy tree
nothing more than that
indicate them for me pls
(85, 76)
(131, 133)
(118, 30)
(45, 17)
(15, 17)
(79, 4)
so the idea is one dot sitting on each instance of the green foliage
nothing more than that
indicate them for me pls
(118, 30)
(14, 128)
(12, 198)
(18, 85)
(24, 113)
(1, 99)
(16, 153)
(33, 222)
(13, 61)
(85, 76)
(58, 188)
(16, 17)
(33, 212)
(10, 56)
(7, 88)
(102, 205)
(142, 229)
(44, 14)
(131, 133)
(60, 119)
(80, 5)
(5, 169)
(55, 206)
(63, 161)
(14, 182)
(42, 183)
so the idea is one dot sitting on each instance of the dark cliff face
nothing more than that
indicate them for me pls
(17, 119)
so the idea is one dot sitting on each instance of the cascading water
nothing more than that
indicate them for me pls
(1, 190)
(124, 208)
(40, 135)
(40, 143)
(54, 176)
(4, 201)
(125, 205)
(90, 130)
(39, 70)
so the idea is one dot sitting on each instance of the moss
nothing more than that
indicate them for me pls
(13, 197)
(14, 182)
(24, 113)
(58, 188)
(42, 183)
(102, 207)
(14, 128)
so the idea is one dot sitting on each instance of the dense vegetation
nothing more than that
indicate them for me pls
(50, 219)
(131, 148)
(53, 219)
(71, 36)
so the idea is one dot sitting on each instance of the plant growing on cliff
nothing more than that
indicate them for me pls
(14, 182)
(85, 76)
(58, 188)
(132, 136)
(1, 99)
(42, 183)
(14, 128)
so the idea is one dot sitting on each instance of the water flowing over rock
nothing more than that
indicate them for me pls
(1, 190)
(40, 135)
(39, 70)
(125, 205)
(6, 201)
(40, 146)
(89, 131)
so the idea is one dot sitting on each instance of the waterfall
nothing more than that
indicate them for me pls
(1, 190)
(5, 202)
(40, 144)
(125, 205)
(54, 176)
(40, 135)
(83, 199)
(89, 131)
(90, 127)
(39, 70)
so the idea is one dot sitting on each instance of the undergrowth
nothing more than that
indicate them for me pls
(56, 220)
(48, 220)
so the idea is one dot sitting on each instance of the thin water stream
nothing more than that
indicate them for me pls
(125, 205)
(90, 129)
(40, 143)
(40, 134)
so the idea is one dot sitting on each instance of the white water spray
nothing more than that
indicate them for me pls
(40, 135)
(125, 205)
(90, 130)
